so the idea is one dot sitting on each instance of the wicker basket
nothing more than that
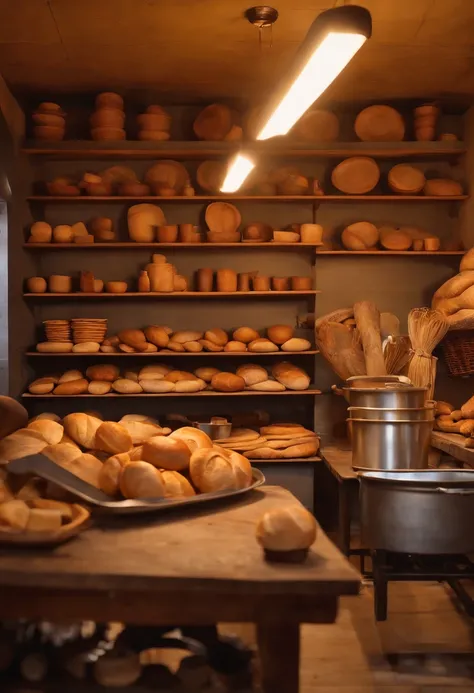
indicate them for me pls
(458, 352)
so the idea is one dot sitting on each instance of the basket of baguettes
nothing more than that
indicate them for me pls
(455, 299)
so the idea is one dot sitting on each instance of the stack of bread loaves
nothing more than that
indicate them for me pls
(108, 120)
(154, 124)
(50, 122)
(455, 298)
(275, 441)
(101, 379)
(134, 458)
(451, 420)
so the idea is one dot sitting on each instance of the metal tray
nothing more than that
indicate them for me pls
(46, 469)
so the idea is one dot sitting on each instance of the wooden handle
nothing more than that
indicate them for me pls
(368, 323)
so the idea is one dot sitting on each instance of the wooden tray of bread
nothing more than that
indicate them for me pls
(76, 521)
(43, 467)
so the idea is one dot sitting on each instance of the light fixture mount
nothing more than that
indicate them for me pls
(261, 16)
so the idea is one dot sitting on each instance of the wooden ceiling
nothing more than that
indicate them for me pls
(206, 49)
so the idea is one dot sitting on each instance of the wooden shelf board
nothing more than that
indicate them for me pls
(291, 460)
(381, 253)
(453, 444)
(176, 295)
(131, 149)
(185, 354)
(319, 199)
(205, 393)
(175, 246)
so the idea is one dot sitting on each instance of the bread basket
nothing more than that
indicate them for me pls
(458, 352)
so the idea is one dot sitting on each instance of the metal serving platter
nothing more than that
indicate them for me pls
(43, 467)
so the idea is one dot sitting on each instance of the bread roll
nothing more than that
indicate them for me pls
(54, 347)
(245, 335)
(87, 467)
(174, 376)
(113, 438)
(283, 429)
(14, 514)
(51, 431)
(252, 374)
(291, 376)
(21, 443)
(175, 346)
(166, 453)
(395, 239)
(140, 479)
(296, 344)
(268, 386)
(63, 234)
(287, 529)
(206, 373)
(186, 336)
(227, 382)
(99, 387)
(41, 232)
(62, 453)
(153, 385)
(192, 437)
(82, 428)
(360, 236)
(86, 348)
(262, 345)
(176, 485)
(43, 520)
(154, 372)
(70, 375)
(443, 408)
(279, 334)
(103, 371)
(302, 449)
(210, 346)
(193, 347)
(133, 338)
(216, 469)
(442, 187)
(235, 346)
(217, 335)
(72, 387)
(195, 385)
(64, 509)
(157, 335)
(109, 475)
(140, 431)
(126, 387)
(41, 386)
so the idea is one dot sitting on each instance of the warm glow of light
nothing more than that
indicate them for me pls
(328, 60)
(237, 172)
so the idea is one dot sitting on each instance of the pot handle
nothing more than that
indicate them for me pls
(456, 491)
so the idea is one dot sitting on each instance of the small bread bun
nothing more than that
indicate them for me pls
(51, 431)
(154, 372)
(174, 376)
(82, 428)
(287, 529)
(166, 453)
(176, 485)
(99, 387)
(296, 344)
(157, 335)
(193, 346)
(217, 335)
(235, 346)
(109, 476)
(72, 387)
(70, 375)
(140, 479)
(14, 514)
(105, 371)
(216, 469)
(62, 453)
(279, 334)
(113, 438)
(245, 335)
(175, 346)
(206, 373)
(210, 346)
(262, 345)
(87, 467)
(21, 443)
(227, 382)
(192, 437)
(140, 431)
(252, 373)
(124, 386)
(183, 336)
(41, 386)
(86, 348)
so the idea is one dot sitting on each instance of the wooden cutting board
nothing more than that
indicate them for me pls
(356, 175)
(222, 217)
(317, 126)
(379, 124)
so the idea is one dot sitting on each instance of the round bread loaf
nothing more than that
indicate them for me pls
(183, 336)
(395, 239)
(113, 438)
(81, 428)
(262, 345)
(217, 335)
(103, 371)
(206, 373)
(245, 335)
(51, 431)
(278, 334)
(174, 376)
(72, 387)
(442, 187)
(216, 469)
(140, 479)
(235, 346)
(227, 382)
(166, 453)
(360, 236)
(406, 179)
(296, 344)
(157, 335)
(252, 374)
(192, 437)
(287, 529)
(133, 338)
(154, 372)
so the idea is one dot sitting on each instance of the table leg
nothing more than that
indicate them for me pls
(344, 528)
(279, 649)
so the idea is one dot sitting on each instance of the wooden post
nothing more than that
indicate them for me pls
(279, 649)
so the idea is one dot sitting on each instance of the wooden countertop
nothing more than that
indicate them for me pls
(453, 444)
(207, 550)
(338, 458)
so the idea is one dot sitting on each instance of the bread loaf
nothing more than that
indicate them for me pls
(70, 375)
(126, 387)
(235, 346)
(140, 479)
(113, 438)
(154, 372)
(193, 347)
(86, 348)
(268, 386)
(291, 376)
(62, 453)
(210, 346)
(227, 382)
(291, 528)
(175, 346)
(194, 385)
(140, 431)
(109, 475)
(157, 386)
(302, 449)
(296, 344)
(157, 335)
(192, 437)
(183, 336)
(166, 453)
(87, 467)
(216, 469)
(134, 338)
(176, 485)
(82, 428)
(51, 431)
(262, 345)
(217, 336)
(252, 374)
(14, 514)
(443, 408)
(174, 376)
(206, 373)
(63, 234)
(360, 236)
(21, 443)
(395, 239)
(41, 386)
(99, 387)
(442, 187)
(245, 335)
(54, 347)
(104, 371)
(72, 387)
(279, 334)
(41, 232)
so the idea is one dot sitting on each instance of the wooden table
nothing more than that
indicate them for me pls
(453, 444)
(194, 568)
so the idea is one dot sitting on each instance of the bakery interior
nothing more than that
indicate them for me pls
(237, 346)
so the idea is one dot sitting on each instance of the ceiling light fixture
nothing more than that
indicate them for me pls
(239, 169)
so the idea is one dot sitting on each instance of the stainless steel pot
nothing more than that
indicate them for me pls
(426, 512)
(421, 414)
(215, 431)
(390, 397)
(390, 445)
(376, 381)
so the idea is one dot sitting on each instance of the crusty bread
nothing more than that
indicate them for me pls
(87, 467)
(192, 437)
(245, 335)
(14, 514)
(103, 371)
(62, 453)
(291, 376)
(443, 408)
(166, 453)
(216, 469)
(133, 338)
(296, 344)
(279, 334)
(210, 346)
(51, 431)
(157, 335)
(268, 385)
(153, 385)
(70, 375)
(183, 336)
(109, 475)
(252, 373)
(86, 348)
(453, 287)
(175, 346)
(194, 385)
(361, 235)
(154, 372)
(206, 373)
(82, 429)
(176, 485)
(262, 345)
(290, 528)
(99, 387)
(72, 387)
(21, 443)
(113, 438)
(41, 386)
(227, 382)
(140, 431)
(216, 335)
(193, 347)
(140, 479)
(174, 376)
(124, 386)
(235, 346)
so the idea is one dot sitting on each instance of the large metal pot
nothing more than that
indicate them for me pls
(425, 512)
(390, 397)
(421, 414)
(390, 445)
(376, 381)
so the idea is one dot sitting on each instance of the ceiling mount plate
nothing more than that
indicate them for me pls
(262, 16)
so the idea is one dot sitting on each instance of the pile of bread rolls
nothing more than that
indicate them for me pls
(274, 441)
(161, 338)
(27, 512)
(451, 420)
(101, 230)
(134, 458)
(364, 235)
(455, 298)
(101, 379)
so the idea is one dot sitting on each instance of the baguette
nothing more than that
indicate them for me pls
(206, 373)
(176, 485)
(73, 387)
(140, 479)
(457, 415)
(133, 338)
(453, 287)
(87, 467)
(193, 346)
(54, 347)
(62, 453)
(227, 382)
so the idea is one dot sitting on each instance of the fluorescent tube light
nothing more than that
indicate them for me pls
(237, 172)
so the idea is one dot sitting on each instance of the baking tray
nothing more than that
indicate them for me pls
(46, 469)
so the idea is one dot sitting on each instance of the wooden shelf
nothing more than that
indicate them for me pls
(175, 246)
(319, 199)
(137, 150)
(381, 253)
(280, 460)
(176, 295)
(205, 393)
(453, 444)
(181, 354)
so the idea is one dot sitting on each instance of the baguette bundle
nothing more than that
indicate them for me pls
(426, 329)
(451, 420)
(455, 298)
(277, 441)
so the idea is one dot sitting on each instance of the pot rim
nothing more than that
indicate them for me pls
(394, 421)
(383, 409)
(400, 476)
(391, 390)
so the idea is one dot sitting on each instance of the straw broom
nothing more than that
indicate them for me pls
(397, 354)
(426, 329)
